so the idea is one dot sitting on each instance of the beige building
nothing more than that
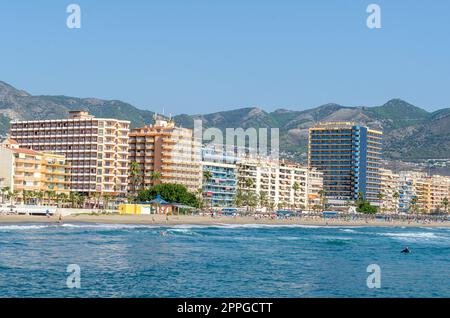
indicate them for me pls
(29, 170)
(410, 191)
(166, 153)
(390, 191)
(96, 149)
(431, 192)
(285, 185)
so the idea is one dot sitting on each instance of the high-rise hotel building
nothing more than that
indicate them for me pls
(349, 156)
(95, 148)
(166, 153)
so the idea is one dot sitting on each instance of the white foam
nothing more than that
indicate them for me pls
(410, 235)
(106, 226)
(259, 226)
(415, 236)
(22, 227)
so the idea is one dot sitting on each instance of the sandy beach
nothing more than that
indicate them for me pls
(208, 220)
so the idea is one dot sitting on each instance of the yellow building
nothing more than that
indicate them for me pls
(431, 192)
(168, 152)
(29, 170)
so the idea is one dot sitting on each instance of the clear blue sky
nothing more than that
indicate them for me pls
(197, 56)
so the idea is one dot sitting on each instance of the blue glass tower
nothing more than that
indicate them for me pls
(349, 156)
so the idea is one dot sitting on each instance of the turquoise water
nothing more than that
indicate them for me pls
(222, 261)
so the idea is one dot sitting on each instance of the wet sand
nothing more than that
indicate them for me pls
(208, 220)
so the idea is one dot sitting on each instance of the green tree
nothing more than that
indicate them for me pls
(106, 200)
(174, 193)
(61, 197)
(295, 187)
(366, 207)
(396, 197)
(380, 197)
(413, 204)
(263, 199)
(73, 199)
(445, 204)
(207, 176)
(155, 176)
(5, 191)
(239, 199)
(135, 178)
(323, 199)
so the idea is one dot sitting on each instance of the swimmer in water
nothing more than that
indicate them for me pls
(406, 250)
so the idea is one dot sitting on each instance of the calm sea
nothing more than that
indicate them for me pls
(222, 261)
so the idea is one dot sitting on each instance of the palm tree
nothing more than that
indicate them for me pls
(263, 202)
(51, 195)
(135, 177)
(25, 194)
(73, 198)
(445, 204)
(207, 176)
(155, 176)
(295, 187)
(39, 196)
(413, 204)
(323, 199)
(200, 197)
(106, 199)
(380, 197)
(239, 198)
(396, 196)
(249, 183)
(61, 197)
(81, 200)
(5, 191)
(13, 196)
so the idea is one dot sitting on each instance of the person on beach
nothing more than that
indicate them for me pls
(60, 219)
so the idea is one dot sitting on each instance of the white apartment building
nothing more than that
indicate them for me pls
(390, 190)
(285, 185)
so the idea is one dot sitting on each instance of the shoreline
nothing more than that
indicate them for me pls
(160, 220)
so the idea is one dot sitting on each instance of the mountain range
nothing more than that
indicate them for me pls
(410, 131)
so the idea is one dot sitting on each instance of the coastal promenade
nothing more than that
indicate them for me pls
(225, 221)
